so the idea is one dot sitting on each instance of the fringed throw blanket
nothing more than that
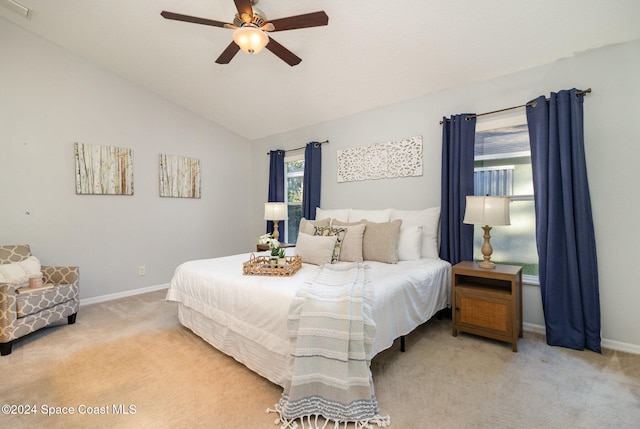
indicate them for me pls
(331, 331)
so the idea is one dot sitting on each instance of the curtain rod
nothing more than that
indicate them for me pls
(302, 147)
(532, 103)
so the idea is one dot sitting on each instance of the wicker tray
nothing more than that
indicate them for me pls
(259, 266)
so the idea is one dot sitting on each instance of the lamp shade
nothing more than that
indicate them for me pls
(275, 211)
(487, 210)
(250, 39)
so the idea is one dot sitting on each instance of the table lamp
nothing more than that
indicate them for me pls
(275, 212)
(486, 211)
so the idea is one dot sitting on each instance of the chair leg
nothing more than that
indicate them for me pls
(5, 348)
(72, 319)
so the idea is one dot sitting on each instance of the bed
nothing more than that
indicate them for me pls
(245, 316)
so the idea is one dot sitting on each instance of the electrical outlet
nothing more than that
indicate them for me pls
(142, 270)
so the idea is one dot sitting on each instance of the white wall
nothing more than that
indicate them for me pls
(49, 99)
(612, 133)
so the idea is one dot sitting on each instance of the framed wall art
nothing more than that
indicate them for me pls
(179, 176)
(103, 170)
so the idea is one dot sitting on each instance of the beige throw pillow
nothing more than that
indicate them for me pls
(315, 249)
(351, 249)
(307, 226)
(337, 223)
(339, 233)
(380, 242)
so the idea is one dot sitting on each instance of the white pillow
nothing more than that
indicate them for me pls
(315, 249)
(410, 243)
(377, 216)
(340, 214)
(17, 273)
(429, 219)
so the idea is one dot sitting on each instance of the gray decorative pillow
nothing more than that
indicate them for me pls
(339, 233)
(307, 226)
(380, 241)
(315, 249)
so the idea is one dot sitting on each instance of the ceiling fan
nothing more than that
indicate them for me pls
(251, 27)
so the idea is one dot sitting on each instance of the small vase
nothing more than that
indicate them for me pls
(282, 262)
(273, 261)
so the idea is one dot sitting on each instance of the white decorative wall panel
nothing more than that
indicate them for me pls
(399, 158)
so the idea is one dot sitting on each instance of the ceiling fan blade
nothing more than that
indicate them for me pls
(314, 19)
(283, 53)
(227, 55)
(245, 11)
(195, 19)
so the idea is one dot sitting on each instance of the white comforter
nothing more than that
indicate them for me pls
(256, 307)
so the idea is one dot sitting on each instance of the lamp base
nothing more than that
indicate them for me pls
(487, 265)
(487, 250)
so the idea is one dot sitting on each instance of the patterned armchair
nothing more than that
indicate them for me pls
(23, 311)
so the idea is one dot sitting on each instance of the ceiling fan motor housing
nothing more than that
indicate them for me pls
(258, 19)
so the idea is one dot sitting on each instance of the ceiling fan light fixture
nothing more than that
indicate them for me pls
(251, 30)
(250, 39)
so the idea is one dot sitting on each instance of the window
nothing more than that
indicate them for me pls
(497, 180)
(293, 188)
(502, 167)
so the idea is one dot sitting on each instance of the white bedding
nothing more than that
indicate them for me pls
(246, 316)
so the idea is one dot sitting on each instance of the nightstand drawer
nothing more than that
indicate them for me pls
(491, 315)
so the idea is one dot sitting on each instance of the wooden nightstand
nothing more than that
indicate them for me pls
(263, 247)
(487, 302)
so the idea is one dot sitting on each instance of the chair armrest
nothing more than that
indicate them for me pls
(7, 310)
(5, 290)
(61, 275)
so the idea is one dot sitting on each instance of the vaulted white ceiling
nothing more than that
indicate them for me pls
(371, 54)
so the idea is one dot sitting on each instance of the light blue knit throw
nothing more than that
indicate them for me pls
(331, 331)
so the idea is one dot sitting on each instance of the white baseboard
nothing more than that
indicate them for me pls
(125, 294)
(607, 344)
(620, 346)
(536, 329)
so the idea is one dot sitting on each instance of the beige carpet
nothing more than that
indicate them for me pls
(131, 355)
